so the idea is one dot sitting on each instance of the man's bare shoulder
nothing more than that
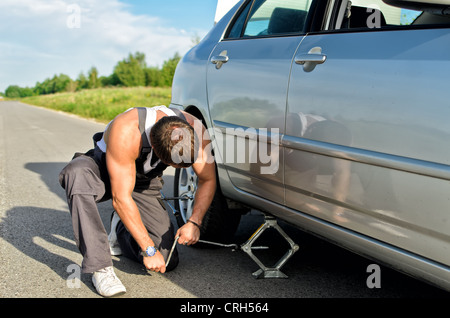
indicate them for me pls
(123, 133)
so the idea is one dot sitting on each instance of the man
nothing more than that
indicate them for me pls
(126, 166)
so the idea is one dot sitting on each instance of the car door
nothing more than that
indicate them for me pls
(247, 80)
(367, 125)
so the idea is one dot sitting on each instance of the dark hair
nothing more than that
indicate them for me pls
(174, 141)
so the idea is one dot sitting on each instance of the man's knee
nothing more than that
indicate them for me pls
(81, 176)
(70, 172)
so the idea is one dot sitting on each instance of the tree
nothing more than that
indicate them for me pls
(60, 83)
(195, 39)
(72, 86)
(168, 70)
(93, 81)
(153, 77)
(130, 71)
(26, 91)
(82, 82)
(140, 57)
(111, 80)
(14, 91)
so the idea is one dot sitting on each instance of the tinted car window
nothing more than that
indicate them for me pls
(375, 15)
(271, 17)
(239, 23)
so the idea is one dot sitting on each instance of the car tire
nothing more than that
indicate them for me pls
(219, 223)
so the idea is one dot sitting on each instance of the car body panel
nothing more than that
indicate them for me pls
(373, 172)
(361, 98)
(246, 91)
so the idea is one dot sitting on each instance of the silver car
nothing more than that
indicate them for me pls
(332, 115)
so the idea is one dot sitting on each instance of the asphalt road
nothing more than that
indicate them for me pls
(39, 258)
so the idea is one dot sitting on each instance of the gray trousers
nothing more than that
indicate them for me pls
(86, 182)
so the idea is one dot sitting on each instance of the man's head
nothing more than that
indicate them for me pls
(174, 141)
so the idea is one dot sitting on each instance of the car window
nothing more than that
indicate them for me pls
(271, 18)
(367, 15)
(239, 23)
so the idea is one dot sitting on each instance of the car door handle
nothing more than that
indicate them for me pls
(220, 59)
(310, 57)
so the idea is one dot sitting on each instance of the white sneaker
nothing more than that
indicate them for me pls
(114, 246)
(107, 283)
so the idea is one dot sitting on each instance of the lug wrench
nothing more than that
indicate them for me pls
(269, 222)
(234, 247)
(183, 197)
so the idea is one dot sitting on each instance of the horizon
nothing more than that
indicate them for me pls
(41, 38)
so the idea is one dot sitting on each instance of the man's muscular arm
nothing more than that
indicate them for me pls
(123, 146)
(204, 168)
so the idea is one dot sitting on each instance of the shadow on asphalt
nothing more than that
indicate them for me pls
(318, 269)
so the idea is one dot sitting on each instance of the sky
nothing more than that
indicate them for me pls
(41, 38)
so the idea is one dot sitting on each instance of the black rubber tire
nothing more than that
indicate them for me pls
(219, 223)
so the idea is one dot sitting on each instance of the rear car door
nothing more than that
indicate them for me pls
(367, 133)
(247, 81)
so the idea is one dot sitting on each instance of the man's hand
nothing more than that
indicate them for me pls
(123, 139)
(155, 263)
(188, 234)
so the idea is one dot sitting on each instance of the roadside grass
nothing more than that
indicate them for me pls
(102, 104)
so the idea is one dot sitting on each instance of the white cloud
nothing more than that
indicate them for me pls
(40, 38)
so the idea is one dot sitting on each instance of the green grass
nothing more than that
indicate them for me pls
(102, 104)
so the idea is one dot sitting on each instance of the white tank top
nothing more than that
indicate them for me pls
(150, 120)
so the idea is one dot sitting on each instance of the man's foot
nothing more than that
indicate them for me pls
(112, 237)
(107, 283)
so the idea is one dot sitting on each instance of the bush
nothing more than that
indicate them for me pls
(168, 70)
(59, 83)
(129, 72)
(14, 91)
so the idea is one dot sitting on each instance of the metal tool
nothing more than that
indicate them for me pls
(264, 271)
(234, 247)
(183, 197)
(247, 247)
(171, 250)
(172, 207)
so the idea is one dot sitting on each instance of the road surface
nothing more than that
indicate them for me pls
(39, 258)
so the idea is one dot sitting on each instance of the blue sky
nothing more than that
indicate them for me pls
(41, 38)
(182, 14)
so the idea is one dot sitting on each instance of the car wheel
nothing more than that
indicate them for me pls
(219, 223)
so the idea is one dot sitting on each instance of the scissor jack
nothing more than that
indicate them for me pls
(247, 247)
(264, 271)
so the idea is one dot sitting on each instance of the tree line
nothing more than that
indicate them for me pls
(131, 71)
